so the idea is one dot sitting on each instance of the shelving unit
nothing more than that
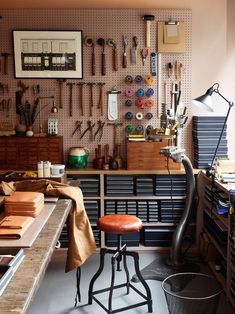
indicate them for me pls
(220, 233)
(113, 195)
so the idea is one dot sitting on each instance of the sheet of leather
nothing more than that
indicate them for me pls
(81, 238)
(32, 231)
(15, 233)
(25, 198)
(15, 222)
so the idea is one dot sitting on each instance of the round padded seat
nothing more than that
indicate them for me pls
(119, 224)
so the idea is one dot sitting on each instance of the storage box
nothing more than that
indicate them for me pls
(146, 156)
(158, 236)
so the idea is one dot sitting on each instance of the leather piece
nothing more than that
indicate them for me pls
(24, 204)
(119, 224)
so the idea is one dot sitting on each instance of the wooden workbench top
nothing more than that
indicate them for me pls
(23, 286)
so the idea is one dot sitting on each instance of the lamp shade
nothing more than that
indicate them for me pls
(204, 102)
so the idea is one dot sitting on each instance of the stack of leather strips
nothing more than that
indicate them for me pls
(24, 204)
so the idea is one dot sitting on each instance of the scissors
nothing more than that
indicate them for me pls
(144, 54)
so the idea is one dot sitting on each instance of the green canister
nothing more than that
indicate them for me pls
(78, 157)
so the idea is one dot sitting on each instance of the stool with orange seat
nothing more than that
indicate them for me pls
(119, 224)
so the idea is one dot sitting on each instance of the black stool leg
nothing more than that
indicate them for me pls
(111, 286)
(141, 279)
(99, 271)
(119, 258)
(127, 274)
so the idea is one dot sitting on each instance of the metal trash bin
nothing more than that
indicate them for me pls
(191, 293)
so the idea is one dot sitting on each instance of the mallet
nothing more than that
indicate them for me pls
(148, 19)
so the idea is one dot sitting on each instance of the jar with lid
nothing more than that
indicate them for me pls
(46, 169)
(40, 169)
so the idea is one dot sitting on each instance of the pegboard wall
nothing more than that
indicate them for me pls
(98, 23)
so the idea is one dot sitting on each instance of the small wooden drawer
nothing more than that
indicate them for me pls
(146, 156)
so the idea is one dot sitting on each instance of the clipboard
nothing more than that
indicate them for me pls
(171, 36)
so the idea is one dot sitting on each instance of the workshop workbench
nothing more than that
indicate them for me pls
(22, 288)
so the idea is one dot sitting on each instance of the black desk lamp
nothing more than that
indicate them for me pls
(205, 102)
(162, 267)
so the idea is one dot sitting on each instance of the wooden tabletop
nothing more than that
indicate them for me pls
(23, 286)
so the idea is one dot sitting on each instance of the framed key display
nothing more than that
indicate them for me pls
(48, 54)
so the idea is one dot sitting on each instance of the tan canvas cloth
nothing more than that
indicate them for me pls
(81, 238)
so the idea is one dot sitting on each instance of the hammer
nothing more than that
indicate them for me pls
(91, 98)
(70, 98)
(115, 126)
(5, 62)
(148, 19)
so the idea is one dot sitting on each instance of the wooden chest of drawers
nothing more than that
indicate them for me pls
(23, 153)
(146, 156)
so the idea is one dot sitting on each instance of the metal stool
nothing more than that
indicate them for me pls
(119, 224)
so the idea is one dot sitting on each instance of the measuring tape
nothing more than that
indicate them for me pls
(153, 64)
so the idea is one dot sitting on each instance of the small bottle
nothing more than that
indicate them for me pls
(46, 169)
(40, 169)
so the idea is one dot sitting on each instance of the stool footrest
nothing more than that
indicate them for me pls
(123, 308)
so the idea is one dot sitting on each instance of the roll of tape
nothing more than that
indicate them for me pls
(129, 92)
(128, 79)
(139, 116)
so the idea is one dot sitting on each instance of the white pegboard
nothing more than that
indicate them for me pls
(97, 23)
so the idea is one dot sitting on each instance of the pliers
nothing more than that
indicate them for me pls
(89, 128)
(77, 128)
(99, 130)
(144, 54)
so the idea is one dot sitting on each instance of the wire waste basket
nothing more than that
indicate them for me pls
(191, 293)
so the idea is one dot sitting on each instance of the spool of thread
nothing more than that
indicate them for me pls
(149, 115)
(139, 103)
(128, 103)
(129, 115)
(129, 129)
(149, 103)
(149, 92)
(139, 129)
(128, 79)
(139, 92)
(139, 116)
(129, 92)
(138, 79)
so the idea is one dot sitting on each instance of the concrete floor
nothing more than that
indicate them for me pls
(57, 291)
